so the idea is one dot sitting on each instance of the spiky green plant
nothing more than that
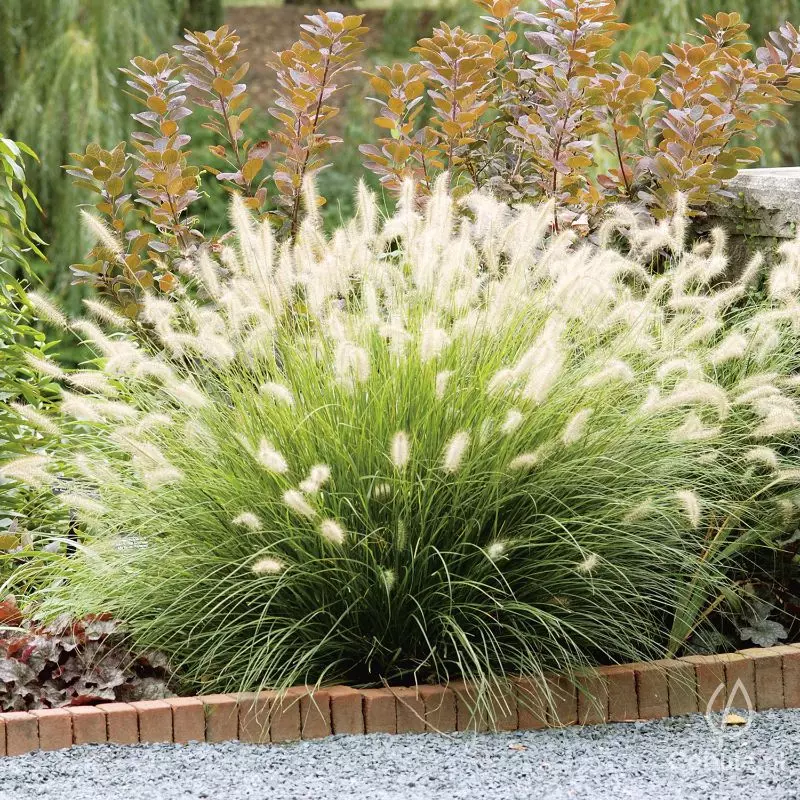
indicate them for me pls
(62, 88)
(439, 445)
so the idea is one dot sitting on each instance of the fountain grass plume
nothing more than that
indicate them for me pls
(323, 506)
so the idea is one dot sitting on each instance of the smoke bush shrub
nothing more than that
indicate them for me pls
(435, 445)
(534, 109)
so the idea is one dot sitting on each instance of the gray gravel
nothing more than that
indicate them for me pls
(679, 758)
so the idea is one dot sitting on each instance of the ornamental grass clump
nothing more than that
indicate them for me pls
(436, 445)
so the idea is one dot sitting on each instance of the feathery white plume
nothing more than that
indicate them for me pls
(97, 469)
(80, 407)
(690, 505)
(526, 461)
(576, 427)
(45, 366)
(513, 420)
(614, 370)
(83, 504)
(400, 449)
(247, 519)
(352, 363)
(298, 503)
(207, 271)
(433, 342)
(91, 380)
(542, 363)
(693, 430)
(102, 234)
(318, 476)
(496, 549)
(696, 392)
(161, 476)
(639, 512)
(278, 392)
(268, 566)
(763, 455)
(32, 470)
(442, 379)
(270, 458)
(501, 380)
(189, 395)
(36, 418)
(588, 565)
(731, 347)
(332, 531)
(454, 451)
(389, 579)
(105, 313)
(382, 491)
(47, 310)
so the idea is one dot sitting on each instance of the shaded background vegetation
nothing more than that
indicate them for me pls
(60, 86)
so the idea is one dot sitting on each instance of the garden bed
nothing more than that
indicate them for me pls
(755, 679)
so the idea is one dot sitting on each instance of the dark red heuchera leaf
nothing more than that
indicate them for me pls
(10, 614)
(75, 662)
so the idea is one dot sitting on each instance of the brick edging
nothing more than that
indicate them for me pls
(618, 693)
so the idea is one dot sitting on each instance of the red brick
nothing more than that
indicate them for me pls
(410, 710)
(188, 719)
(155, 720)
(768, 669)
(531, 704)
(347, 715)
(593, 699)
(22, 733)
(122, 723)
(55, 728)
(623, 705)
(651, 689)
(222, 717)
(496, 711)
(440, 708)
(2, 737)
(88, 725)
(710, 674)
(682, 689)
(284, 715)
(739, 669)
(380, 711)
(470, 715)
(315, 714)
(562, 708)
(504, 715)
(254, 710)
(790, 657)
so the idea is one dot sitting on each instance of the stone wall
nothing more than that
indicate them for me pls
(764, 212)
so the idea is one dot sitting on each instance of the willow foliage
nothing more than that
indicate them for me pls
(61, 88)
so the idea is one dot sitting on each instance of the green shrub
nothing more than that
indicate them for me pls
(28, 518)
(436, 446)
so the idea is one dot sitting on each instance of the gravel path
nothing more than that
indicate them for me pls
(679, 758)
